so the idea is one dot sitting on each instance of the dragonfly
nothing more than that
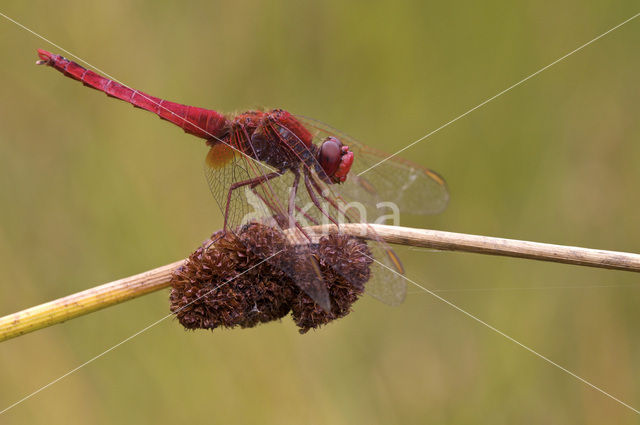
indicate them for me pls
(292, 171)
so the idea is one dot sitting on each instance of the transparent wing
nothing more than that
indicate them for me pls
(332, 205)
(410, 187)
(223, 168)
(271, 200)
(378, 177)
(249, 191)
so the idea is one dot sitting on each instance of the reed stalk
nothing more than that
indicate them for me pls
(99, 297)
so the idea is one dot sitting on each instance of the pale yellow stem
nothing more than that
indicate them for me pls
(84, 302)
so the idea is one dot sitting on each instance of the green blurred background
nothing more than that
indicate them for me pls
(93, 190)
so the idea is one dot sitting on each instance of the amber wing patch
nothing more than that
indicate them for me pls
(219, 155)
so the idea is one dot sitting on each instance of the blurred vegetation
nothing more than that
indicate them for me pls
(93, 190)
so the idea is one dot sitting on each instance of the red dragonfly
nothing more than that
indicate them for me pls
(293, 171)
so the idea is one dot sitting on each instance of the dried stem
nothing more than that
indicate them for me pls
(80, 303)
(93, 299)
(449, 241)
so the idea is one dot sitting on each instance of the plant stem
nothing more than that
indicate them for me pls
(449, 241)
(102, 296)
(80, 303)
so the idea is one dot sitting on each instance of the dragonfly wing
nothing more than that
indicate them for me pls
(223, 168)
(386, 282)
(259, 195)
(377, 177)
(378, 181)
(414, 190)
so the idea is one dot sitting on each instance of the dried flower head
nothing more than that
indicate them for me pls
(229, 284)
(344, 261)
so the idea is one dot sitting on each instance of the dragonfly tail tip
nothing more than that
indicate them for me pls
(45, 57)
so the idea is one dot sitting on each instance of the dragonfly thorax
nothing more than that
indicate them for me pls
(279, 140)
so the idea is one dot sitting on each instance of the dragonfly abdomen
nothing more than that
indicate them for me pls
(200, 122)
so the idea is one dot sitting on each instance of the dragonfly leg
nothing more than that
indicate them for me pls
(222, 234)
(314, 198)
(307, 216)
(250, 182)
(333, 203)
(263, 199)
(273, 208)
(296, 223)
(292, 194)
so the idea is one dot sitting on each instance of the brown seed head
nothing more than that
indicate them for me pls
(229, 284)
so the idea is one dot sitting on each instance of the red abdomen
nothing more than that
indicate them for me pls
(200, 122)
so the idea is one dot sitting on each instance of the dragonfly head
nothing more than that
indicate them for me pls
(335, 160)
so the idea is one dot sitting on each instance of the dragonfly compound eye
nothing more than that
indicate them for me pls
(335, 159)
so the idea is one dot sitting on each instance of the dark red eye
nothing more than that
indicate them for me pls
(335, 159)
(329, 155)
